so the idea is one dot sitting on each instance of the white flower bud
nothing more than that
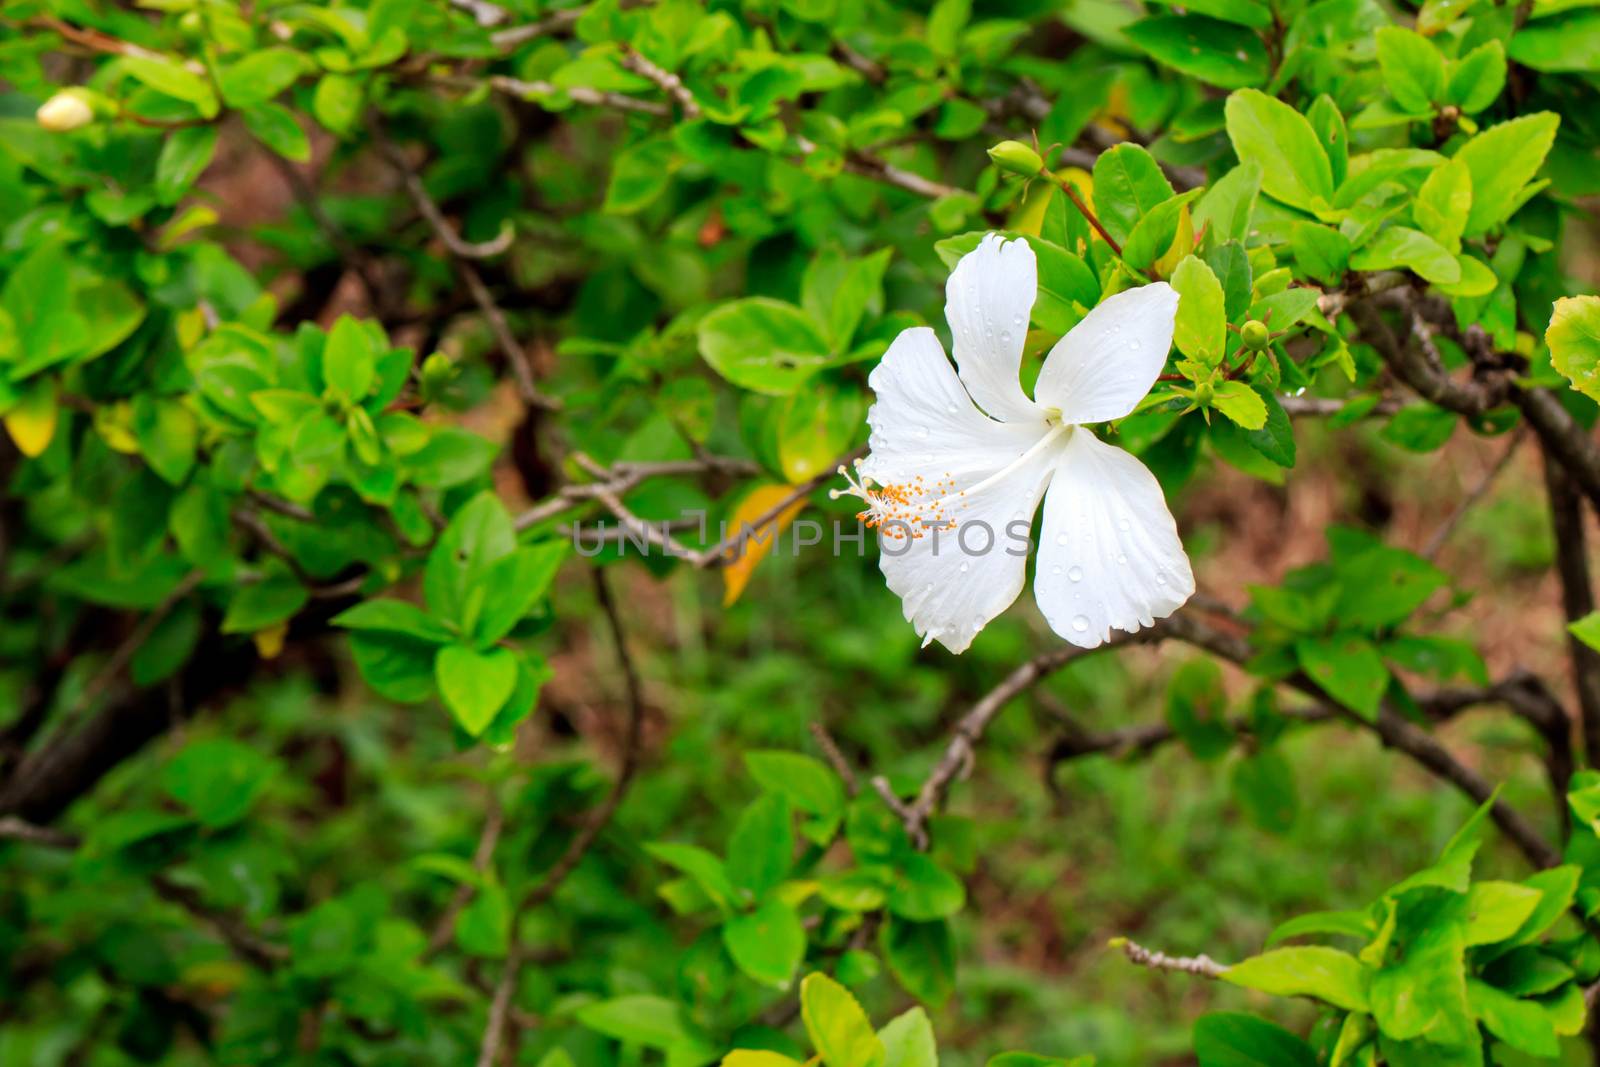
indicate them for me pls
(64, 111)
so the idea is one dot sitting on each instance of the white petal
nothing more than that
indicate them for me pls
(1106, 364)
(929, 440)
(987, 300)
(1109, 553)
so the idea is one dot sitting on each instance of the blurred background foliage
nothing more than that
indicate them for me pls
(320, 323)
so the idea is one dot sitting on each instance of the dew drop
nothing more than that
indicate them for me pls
(922, 431)
(1061, 538)
(1123, 525)
(1122, 559)
(1161, 579)
(1135, 344)
(1005, 335)
(950, 409)
(965, 567)
(1080, 623)
(928, 588)
(1076, 574)
(1016, 320)
(1056, 569)
(977, 623)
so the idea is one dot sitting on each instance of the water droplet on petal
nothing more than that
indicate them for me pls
(951, 409)
(1076, 574)
(922, 431)
(1080, 623)
(1005, 335)
(965, 567)
(1135, 344)
(1123, 525)
(1061, 538)
(1122, 559)
(1016, 320)
(1056, 569)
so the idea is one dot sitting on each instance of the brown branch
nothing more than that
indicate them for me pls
(668, 82)
(444, 930)
(1393, 730)
(836, 757)
(430, 211)
(1577, 597)
(578, 847)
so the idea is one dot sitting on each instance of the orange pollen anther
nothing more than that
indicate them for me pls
(903, 509)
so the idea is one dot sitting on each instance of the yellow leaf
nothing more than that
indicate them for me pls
(114, 424)
(745, 554)
(757, 1058)
(1182, 245)
(32, 423)
(269, 642)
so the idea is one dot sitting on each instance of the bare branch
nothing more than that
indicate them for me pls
(505, 989)
(444, 930)
(1442, 534)
(1202, 966)
(836, 757)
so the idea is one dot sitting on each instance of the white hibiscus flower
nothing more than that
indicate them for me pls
(953, 489)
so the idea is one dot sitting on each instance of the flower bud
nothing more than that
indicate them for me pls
(67, 110)
(1255, 335)
(1016, 157)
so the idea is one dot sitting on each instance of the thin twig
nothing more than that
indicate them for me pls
(500, 1006)
(444, 930)
(835, 757)
(1202, 966)
(1442, 534)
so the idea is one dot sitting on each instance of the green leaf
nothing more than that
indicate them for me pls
(513, 585)
(838, 1027)
(174, 80)
(348, 361)
(707, 871)
(921, 956)
(1503, 159)
(1497, 910)
(1233, 1039)
(168, 436)
(1067, 287)
(1349, 668)
(1444, 203)
(262, 604)
(1413, 69)
(1241, 403)
(1478, 77)
(1356, 924)
(1217, 53)
(837, 292)
(1331, 976)
(921, 890)
(1231, 265)
(808, 784)
(337, 103)
(184, 157)
(1294, 165)
(1153, 234)
(276, 127)
(218, 780)
(763, 345)
(761, 847)
(653, 1022)
(768, 943)
(1264, 786)
(479, 535)
(1574, 339)
(394, 665)
(815, 427)
(1401, 246)
(908, 1041)
(1321, 252)
(260, 76)
(1328, 123)
(1200, 331)
(474, 684)
(639, 175)
(394, 616)
(1128, 184)
(1224, 211)
(1568, 42)
(1275, 440)
(1522, 1024)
